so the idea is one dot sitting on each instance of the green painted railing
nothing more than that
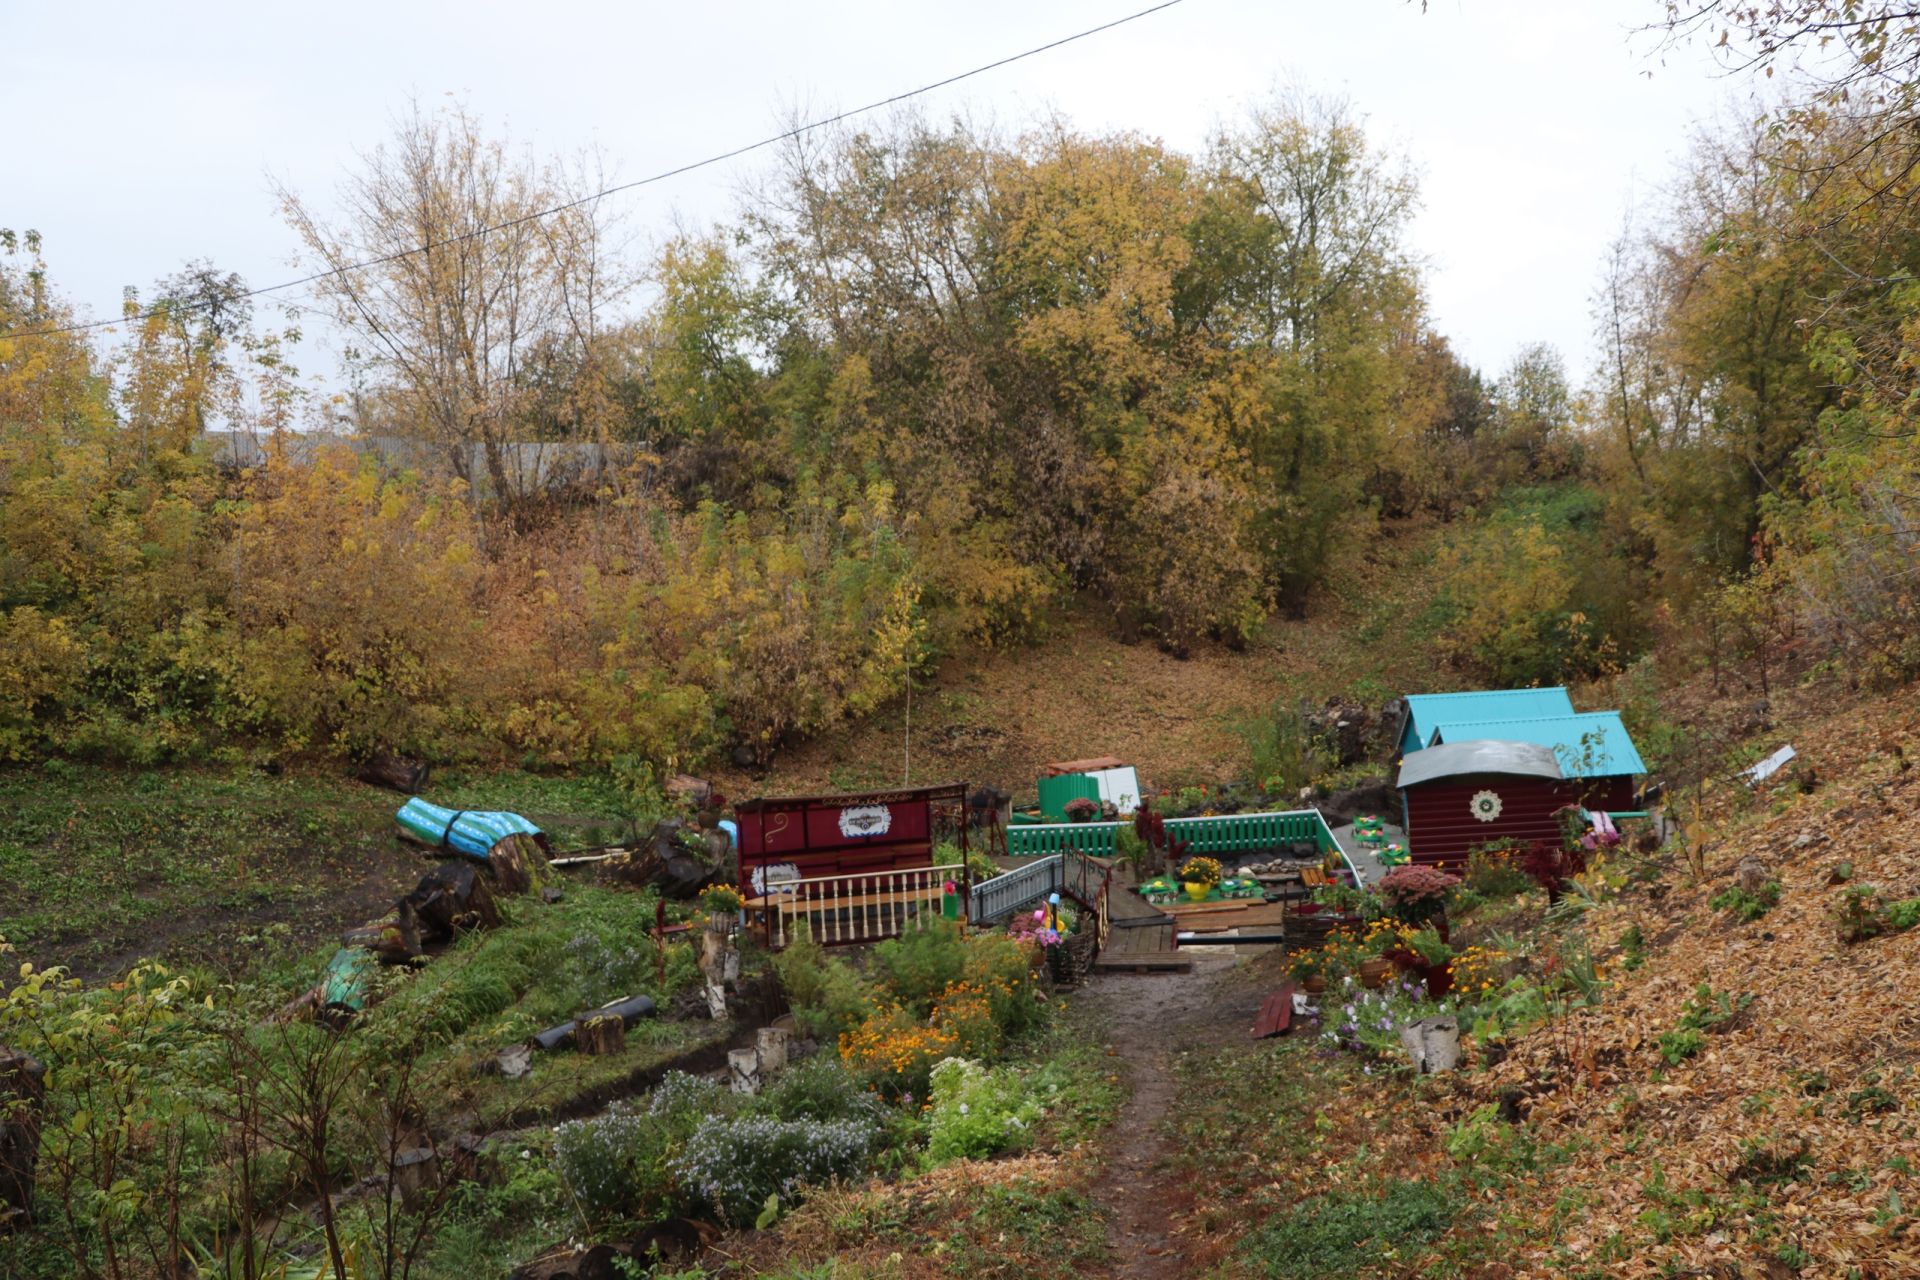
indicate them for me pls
(1223, 833)
(1047, 838)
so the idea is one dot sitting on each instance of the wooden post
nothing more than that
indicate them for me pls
(743, 1070)
(771, 1045)
(22, 1093)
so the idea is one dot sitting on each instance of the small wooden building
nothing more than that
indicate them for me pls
(1466, 794)
(804, 837)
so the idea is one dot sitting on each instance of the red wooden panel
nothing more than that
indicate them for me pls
(842, 835)
(1276, 1014)
(1441, 826)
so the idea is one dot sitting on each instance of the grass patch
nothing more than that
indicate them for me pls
(1338, 1233)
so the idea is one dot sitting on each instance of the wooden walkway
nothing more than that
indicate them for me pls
(1139, 934)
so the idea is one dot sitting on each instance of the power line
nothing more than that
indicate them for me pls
(662, 176)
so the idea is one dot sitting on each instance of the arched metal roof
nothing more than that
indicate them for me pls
(1483, 755)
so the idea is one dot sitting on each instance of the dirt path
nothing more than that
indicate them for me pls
(1148, 1017)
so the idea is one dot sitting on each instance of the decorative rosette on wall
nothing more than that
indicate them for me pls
(1486, 805)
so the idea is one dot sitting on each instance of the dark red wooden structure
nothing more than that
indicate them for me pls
(1467, 794)
(802, 837)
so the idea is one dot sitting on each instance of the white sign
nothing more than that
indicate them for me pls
(865, 820)
(775, 877)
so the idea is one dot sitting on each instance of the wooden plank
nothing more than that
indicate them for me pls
(1276, 1014)
(1144, 962)
(1259, 915)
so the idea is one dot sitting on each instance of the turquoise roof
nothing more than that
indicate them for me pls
(1613, 750)
(1426, 712)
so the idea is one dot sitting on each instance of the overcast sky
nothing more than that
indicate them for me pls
(141, 135)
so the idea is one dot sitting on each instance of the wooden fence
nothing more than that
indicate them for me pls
(1222, 833)
(846, 910)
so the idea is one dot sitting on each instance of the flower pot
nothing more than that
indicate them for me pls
(1197, 890)
(1374, 972)
(1315, 985)
(1439, 979)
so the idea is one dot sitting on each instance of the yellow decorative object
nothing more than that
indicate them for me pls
(1197, 890)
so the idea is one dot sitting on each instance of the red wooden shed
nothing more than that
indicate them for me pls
(801, 837)
(1465, 794)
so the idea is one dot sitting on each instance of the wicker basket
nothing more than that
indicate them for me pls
(1072, 960)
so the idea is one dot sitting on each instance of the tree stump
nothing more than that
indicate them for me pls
(1433, 1044)
(395, 940)
(453, 898)
(519, 864)
(599, 1036)
(743, 1070)
(771, 1044)
(22, 1092)
(1750, 875)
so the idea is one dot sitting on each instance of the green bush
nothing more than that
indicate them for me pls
(1493, 871)
(617, 1164)
(918, 966)
(978, 1112)
(1748, 906)
(1004, 966)
(821, 1088)
(737, 1164)
(827, 996)
(1679, 1045)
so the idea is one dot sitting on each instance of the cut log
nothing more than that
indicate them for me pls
(22, 1096)
(416, 1173)
(395, 773)
(743, 1070)
(771, 1044)
(1433, 1044)
(519, 864)
(599, 1036)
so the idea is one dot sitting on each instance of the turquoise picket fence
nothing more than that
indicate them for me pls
(1224, 833)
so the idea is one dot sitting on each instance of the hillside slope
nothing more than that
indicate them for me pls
(1789, 1140)
(997, 716)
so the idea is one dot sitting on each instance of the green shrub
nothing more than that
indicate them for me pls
(827, 996)
(617, 1164)
(1677, 1046)
(1633, 948)
(1748, 906)
(821, 1088)
(737, 1164)
(1283, 752)
(1707, 1011)
(1494, 873)
(978, 1112)
(1004, 966)
(1492, 1149)
(1328, 1235)
(1903, 915)
(916, 967)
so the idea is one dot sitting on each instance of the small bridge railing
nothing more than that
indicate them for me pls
(1086, 880)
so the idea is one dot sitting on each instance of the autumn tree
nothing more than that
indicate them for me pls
(479, 285)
